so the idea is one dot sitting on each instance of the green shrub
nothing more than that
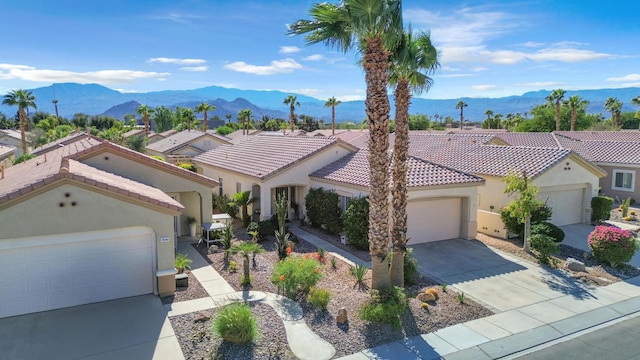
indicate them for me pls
(312, 204)
(158, 157)
(612, 245)
(359, 272)
(548, 229)
(624, 205)
(236, 323)
(296, 274)
(22, 158)
(224, 130)
(265, 229)
(182, 262)
(224, 205)
(544, 245)
(510, 217)
(323, 209)
(410, 267)
(385, 306)
(188, 166)
(356, 223)
(319, 298)
(601, 208)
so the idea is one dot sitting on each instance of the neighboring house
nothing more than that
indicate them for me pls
(13, 138)
(93, 221)
(7, 155)
(441, 205)
(70, 138)
(183, 146)
(271, 166)
(153, 136)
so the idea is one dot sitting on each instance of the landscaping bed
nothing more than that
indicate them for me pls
(191, 292)
(350, 338)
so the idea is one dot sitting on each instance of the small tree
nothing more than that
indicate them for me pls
(525, 201)
(242, 200)
(245, 249)
(282, 235)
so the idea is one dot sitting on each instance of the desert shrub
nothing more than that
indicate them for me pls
(224, 130)
(410, 267)
(158, 157)
(624, 206)
(319, 298)
(510, 216)
(224, 205)
(22, 158)
(188, 166)
(385, 306)
(236, 323)
(182, 262)
(544, 245)
(612, 245)
(356, 223)
(359, 271)
(601, 208)
(296, 274)
(548, 229)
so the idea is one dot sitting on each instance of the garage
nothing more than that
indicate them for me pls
(433, 219)
(566, 204)
(56, 271)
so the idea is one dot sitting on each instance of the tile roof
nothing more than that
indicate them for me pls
(6, 150)
(72, 137)
(134, 132)
(357, 138)
(353, 169)
(168, 133)
(11, 133)
(608, 136)
(182, 139)
(262, 156)
(533, 139)
(613, 152)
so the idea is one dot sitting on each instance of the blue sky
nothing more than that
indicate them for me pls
(487, 48)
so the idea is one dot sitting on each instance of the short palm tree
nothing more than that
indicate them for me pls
(411, 62)
(243, 199)
(204, 108)
(374, 28)
(574, 103)
(461, 105)
(292, 101)
(24, 99)
(333, 102)
(245, 249)
(145, 112)
(489, 114)
(555, 98)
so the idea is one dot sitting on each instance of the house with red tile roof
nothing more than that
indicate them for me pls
(92, 221)
(184, 145)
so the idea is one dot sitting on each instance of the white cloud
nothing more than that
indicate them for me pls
(308, 92)
(105, 77)
(314, 57)
(164, 60)
(630, 77)
(276, 67)
(180, 18)
(288, 49)
(479, 69)
(533, 44)
(194, 68)
(456, 75)
(351, 97)
(538, 84)
(566, 55)
(484, 87)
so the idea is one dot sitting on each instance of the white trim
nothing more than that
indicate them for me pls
(614, 172)
(66, 238)
(167, 272)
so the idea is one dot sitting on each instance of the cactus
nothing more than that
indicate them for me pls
(624, 205)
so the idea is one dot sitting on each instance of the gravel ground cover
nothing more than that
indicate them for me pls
(191, 292)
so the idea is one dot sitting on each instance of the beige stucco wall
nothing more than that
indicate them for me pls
(11, 141)
(607, 182)
(42, 215)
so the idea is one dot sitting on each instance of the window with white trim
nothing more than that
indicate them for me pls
(344, 202)
(623, 180)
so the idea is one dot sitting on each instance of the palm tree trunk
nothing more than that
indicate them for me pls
(399, 189)
(527, 233)
(376, 64)
(292, 118)
(205, 125)
(23, 135)
(557, 116)
(245, 266)
(333, 119)
(573, 119)
(146, 127)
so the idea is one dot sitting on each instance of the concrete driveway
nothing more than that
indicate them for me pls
(131, 328)
(497, 280)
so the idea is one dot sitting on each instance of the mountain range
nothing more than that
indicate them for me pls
(94, 99)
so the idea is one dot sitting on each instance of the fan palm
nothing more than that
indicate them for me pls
(373, 27)
(489, 114)
(245, 117)
(243, 199)
(203, 108)
(333, 102)
(245, 249)
(411, 62)
(145, 112)
(555, 98)
(574, 103)
(24, 99)
(461, 105)
(292, 101)
(614, 106)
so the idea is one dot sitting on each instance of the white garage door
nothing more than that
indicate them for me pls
(52, 272)
(566, 205)
(433, 220)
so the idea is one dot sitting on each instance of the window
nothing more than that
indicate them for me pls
(238, 187)
(220, 187)
(344, 202)
(623, 180)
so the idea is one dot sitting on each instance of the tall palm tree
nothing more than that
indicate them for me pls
(489, 114)
(508, 121)
(555, 98)
(497, 118)
(292, 101)
(145, 112)
(24, 99)
(189, 116)
(614, 106)
(373, 27)
(411, 62)
(55, 105)
(333, 102)
(461, 105)
(203, 108)
(245, 117)
(574, 103)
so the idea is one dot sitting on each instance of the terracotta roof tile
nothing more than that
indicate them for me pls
(613, 152)
(607, 136)
(182, 139)
(532, 139)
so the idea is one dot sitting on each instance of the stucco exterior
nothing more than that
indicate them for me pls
(607, 184)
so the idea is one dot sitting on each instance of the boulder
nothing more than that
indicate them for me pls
(574, 265)
(424, 297)
(342, 316)
(213, 249)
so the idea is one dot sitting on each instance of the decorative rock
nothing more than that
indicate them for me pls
(213, 249)
(342, 316)
(201, 318)
(574, 265)
(424, 297)
(182, 280)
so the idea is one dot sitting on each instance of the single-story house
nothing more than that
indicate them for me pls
(93, 221)
(13, 138)
(153, 136)
(183, 146)
(73, 136)
(7, 155)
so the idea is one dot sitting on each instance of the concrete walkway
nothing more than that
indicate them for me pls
(304, 343)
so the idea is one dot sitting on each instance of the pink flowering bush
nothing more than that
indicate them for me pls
(612, 245)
